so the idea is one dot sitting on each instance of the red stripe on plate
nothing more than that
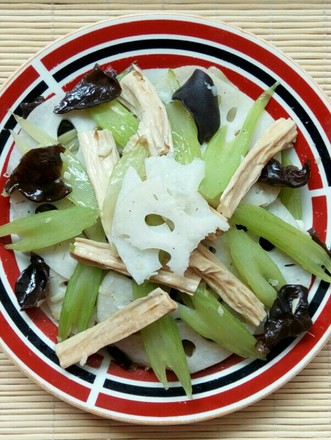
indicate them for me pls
(16, 88)
(44, 323)
(40, 368)
(243, 83)
(243, 43)
(320, 216)
(224, 398)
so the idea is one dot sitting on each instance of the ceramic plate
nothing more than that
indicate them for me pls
(162, 41)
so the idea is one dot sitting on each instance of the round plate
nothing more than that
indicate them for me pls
(169, 41)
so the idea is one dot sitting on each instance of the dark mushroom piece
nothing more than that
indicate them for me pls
(288, 316)
(199, 97)
(96, 87)
(38, 175)
(290, 176)
(32, 285)
(27, 107)
(314, 235)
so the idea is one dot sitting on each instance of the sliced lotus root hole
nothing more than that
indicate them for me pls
(189, 347)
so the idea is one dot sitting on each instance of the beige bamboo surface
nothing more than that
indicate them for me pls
(301, 408)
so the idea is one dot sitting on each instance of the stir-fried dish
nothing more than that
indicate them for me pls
(157, 215)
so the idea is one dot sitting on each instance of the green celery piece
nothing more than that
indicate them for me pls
(96, 232)
(183, 127)
(163, 345)
(223, 158)
(74, 174)
(255, 266)
(20, 144)
(69, 140)
(293, 242)
(291, 197)
(184, 133)
(116, 118)
(38, 231)
(79, 300)
(134, 158)
(213, 321)
(37, 133)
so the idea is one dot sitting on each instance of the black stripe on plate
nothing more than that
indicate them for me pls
(216, 52)
(320, 294)
(202, 387)
(39, 344)
(161, 44)
(225, 380)
(38, 90)
(221, 55)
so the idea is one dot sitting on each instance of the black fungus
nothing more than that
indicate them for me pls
(288, 316)
(199, 97)
(38, 175)
(120, 357)
(290, 176)
(27, 107)
(314, 235)
(32, 285)
(96, 87)
(64, 126)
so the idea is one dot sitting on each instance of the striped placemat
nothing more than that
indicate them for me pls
(302, 408)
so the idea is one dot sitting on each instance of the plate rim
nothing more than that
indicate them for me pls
(213, 22)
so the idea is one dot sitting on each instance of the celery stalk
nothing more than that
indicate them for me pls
(213, 321)
(69, 140)
(79, 300)
(293, 242)
(48, 228)
(74, 174)
(255, 266)
(20, 144)
(37, 133)
(163, 345)
(183, 127)
(291, 197)
(116, 118)
(223, 158)
(184, 133)
(134, 158)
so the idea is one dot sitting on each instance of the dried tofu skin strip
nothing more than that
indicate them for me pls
(128, 320)
(100, 254)
(236, 294)
(280, 135)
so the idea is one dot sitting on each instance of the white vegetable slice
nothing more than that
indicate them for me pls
(115, 292)
(59, 259)
(130, 319)
(44, 117)
(200, 352)
(261, 194)
(57, 289)
(171, 192)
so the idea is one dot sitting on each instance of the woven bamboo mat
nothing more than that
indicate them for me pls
(302, 408)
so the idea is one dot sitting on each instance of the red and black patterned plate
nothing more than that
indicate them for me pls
(158, 41)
